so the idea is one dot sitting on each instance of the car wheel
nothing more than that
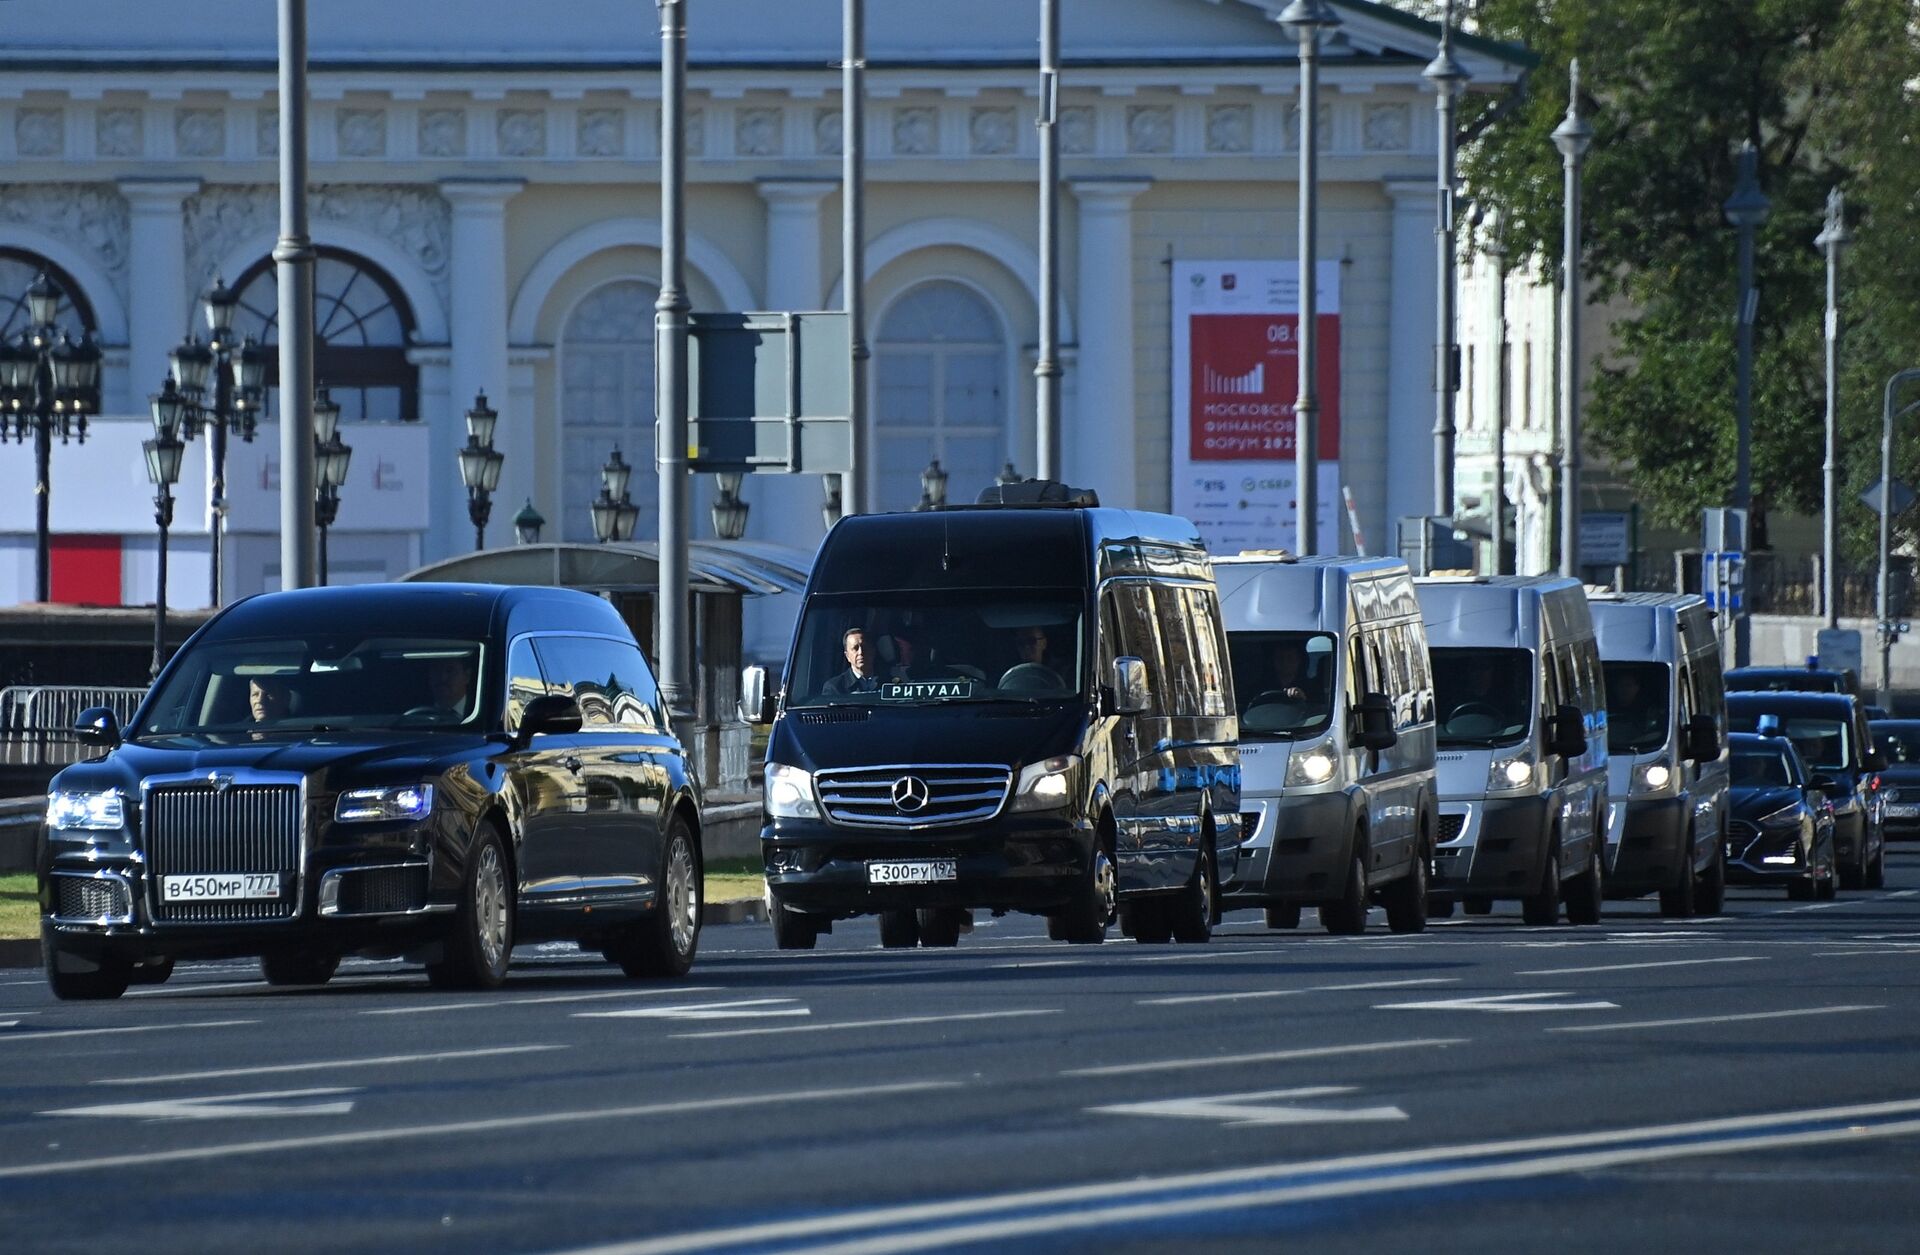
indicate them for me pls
(1192, 913)
(941, 926)
(480, 944)
(108, 979)
(1346, 916)
(1677, 899)
(1406, 899)
(1828, 889)
(1710, 896)
(298, 967)
(1587, 894)
(1542, 906)
(1877, 870)
(156, 972)
(1284, 916)
(899, 930)
(1477, 906)
(664, 943)
(1148, 920)
(791, 929)
(1084, 921)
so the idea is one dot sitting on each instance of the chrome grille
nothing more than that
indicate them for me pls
(92, 898)
(955, 794)
(199, 829)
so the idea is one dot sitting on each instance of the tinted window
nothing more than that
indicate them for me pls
(524, 681)
(1823, 743)
(608, 678)
(1484, 696)
(1637, 706)
(1761, 769)
(1139, 637)
(1285, 682)
(1900, 742)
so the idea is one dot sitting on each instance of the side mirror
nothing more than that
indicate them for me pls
(1875, 761)
(97, 726)
(1701, 742)
(756, 704)
(1373, 722)
(554, 714)
(1567, 733)
(1130, 693)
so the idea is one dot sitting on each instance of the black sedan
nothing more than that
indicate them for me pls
(1830, 731)
(425, 771)
(1780, 823)
(1898, 741)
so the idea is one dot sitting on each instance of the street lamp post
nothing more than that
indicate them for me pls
(1883, 602)
(480, 466)
(1046, 366)
(1572, 137)
(1831, 240)
(1747, 209)
(933, 487)
(729, 511)
(163, 472)
(223, 383)
(614, 514)
(1308, 20)
(48, 384)
(1496, 250)
(1449, 81)
(330, 460)
(527, 524)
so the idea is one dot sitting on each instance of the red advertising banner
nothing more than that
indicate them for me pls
(1243, 378)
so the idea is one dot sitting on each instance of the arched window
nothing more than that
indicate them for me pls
(940, 369)
(362, 325)
(606, 402)
(18, 269)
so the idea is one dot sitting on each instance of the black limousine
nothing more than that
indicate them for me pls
(431, 772)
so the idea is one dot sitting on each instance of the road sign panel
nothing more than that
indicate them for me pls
(769, 393)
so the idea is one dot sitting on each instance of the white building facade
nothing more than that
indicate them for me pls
(485, 198)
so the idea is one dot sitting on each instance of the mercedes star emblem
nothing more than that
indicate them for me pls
(909, 794)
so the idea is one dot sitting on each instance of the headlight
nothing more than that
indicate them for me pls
(1650, 778)
(1511, 775)
(104, 811)
(790, 793)
(1310, 765)
(406, 801)
(1046, 785)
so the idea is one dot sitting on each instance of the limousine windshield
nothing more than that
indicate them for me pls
(943, 645)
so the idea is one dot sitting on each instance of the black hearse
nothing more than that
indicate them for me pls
(433, 771)
(1023, 705)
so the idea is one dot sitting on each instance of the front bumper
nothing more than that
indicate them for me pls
(1653, 846)
(1748, 848)
(1296, 851)
(1499, 849)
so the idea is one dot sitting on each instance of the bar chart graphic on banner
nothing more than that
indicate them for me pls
(1236, 377)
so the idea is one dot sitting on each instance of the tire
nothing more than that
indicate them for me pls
(108, 980)
(298, 967)
(663, 944)
(479, 946)
(1284, 916)
(1346, 916)
(1148, 920)
(1191, 912)
(1877, 870)
(1477, 906)
(900, 930)
(1587, 892)
(1855, 877)
(1406, 898)
(1827, 890)
(1542, 906)
(1803, 890)
(1677, 901)
(1084, 920)
(791, 929)
(1710, 896)
(941, 926)
(154, 973)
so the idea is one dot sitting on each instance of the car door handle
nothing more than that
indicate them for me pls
(572, 764)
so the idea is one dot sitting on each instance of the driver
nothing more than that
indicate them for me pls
(1030, 645)
(267, 698)
(450, 682)
(1290, 678)
(862, 674)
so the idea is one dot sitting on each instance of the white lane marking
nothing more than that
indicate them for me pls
(1637, 967)
(541, 1001)
(1187, 999)
(896, 1022)
(221, 1106)
(43, 1167)
(1502, 1003)
(1204, 952)
(321, 1065)
(1716, 1019)
(744, 1009)
(50, 1034)
(1013, 967)
(186, 990)
(1191, 1064)
(1237, 1188)
(1258, 1108)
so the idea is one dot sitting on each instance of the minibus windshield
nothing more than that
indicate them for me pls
(934, 646)
(1285, 682)
(1483, 697)
(1636, 706)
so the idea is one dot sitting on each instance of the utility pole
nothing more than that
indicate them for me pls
(853, 243)
(1831, 240)
(293, 259)
(671, 637)
(1046, 369)
(1572, 137)
(1448, 80)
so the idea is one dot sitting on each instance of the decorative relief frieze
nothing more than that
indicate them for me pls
(414, 219)
(758, 132)
(361, 132)
(601, 133)
(266, 132)
(916, 131)
(40, 132)
(199, 132)
(991, 130)
(1229, 128)
(1077, 129)
(119, 132)
(522, 133)
(443, 133)
(1323, 124)
(1149, 129)
(827, 129)
(1387, 128)
(91, 217)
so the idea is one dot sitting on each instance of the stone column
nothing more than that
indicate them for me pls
(786, 508)
(1099, 435)
(1410, 301)
(477, 303)
(160, 297)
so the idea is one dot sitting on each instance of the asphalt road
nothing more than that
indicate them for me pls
(1750, 1081)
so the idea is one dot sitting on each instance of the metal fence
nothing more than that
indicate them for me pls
(1782, 584)
(36, 720)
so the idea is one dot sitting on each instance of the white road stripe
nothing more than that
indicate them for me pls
(1192, 1064)
(1188, 999)
(533, 1002)
(1216, 1190)
(187, 990)
(1635, 967)
(741, 1009)
(892, 1023)
(1714, 1019)
(50, 1034)
(414, 1132)
(322, 1065)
